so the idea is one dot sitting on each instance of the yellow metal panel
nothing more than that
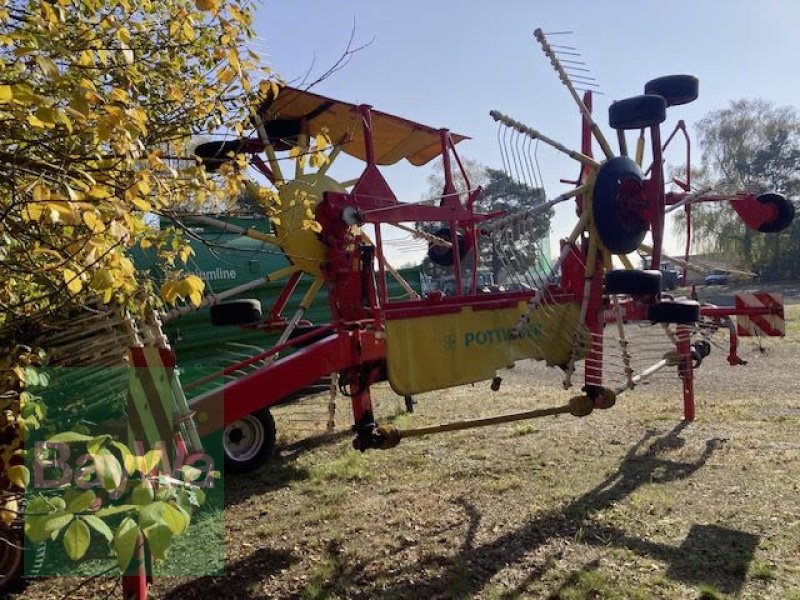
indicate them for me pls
(299, 198)
(440, 351)
(394, 138)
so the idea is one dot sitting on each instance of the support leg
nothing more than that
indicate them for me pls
(686, 370)
(363, 416)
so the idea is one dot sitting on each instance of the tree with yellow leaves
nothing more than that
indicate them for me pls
(99, 100)
(93, 94)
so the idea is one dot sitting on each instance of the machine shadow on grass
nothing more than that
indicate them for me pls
(239, 577)
(709, 555)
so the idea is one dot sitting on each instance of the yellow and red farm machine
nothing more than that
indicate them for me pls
(434, 341)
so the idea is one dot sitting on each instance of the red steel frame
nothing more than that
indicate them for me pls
(752, 212)
(354, 345)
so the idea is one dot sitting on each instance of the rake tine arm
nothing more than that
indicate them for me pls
(562, 74)
(538, 135)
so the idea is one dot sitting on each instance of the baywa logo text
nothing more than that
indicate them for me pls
(484, 337)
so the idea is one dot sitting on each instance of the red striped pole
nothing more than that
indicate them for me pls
(134, 581)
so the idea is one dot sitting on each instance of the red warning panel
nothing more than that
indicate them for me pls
(762, 314)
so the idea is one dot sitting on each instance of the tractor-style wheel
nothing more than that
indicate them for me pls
(675, 89)
(785, 210)
(11, 561)
(637, 112)
(685, 312)
(249, 441)
(236, 312)
(13, 570)
(617, 203)
(633, 283)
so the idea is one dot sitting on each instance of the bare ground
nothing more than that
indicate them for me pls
(626, 503)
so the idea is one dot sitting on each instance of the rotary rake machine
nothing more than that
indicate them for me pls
(436, 341)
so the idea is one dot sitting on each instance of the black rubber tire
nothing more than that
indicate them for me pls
(702, 347)
(12, 561)
(236, 312)
(442, 256)
(14, 579)
(675, 89)
(633, 283)
(637, 112)
(618, 188)
(785, 216)
(686, 312)
(256, 455)
(14, 573)
(215, 154)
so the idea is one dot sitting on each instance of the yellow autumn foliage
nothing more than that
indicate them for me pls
(97, 98)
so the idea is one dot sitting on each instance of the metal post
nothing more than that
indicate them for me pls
(381, 265)
(657, 197)
(456, 258)
(686, 371)
(449, 193)
(134, 581)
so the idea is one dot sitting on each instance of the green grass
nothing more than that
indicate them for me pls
(200, 551)
(331, 574)
(413, 461)
(317, 588)
(709, 592)
(351, 466)
(315, 517)
(763, 571)
(651, 499)
(503, 484)
(317, 490)
(595, 583)
(521, 430)
(792, 317)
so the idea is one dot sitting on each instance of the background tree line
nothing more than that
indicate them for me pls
(754, 146)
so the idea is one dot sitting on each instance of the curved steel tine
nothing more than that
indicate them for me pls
(529, 163)
(518, 176)
(501, 127)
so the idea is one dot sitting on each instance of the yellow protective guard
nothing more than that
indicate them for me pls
(394, 138)
(440, 351)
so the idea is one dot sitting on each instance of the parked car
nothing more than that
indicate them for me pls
(716, 277)
(670, 278)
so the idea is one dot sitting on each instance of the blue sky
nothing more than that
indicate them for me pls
(447, 64)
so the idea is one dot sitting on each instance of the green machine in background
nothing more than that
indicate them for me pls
(224, 260)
